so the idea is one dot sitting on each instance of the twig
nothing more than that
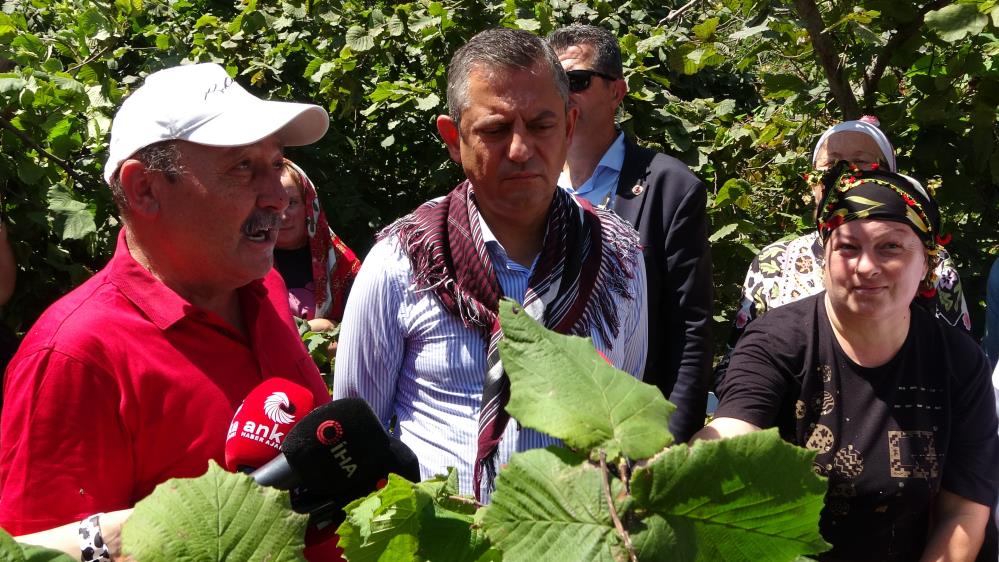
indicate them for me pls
(464, 500)
(673, 14)
(613, 510)
(31, 142)
(93, 56)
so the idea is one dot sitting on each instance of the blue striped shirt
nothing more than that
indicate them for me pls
(400, 350)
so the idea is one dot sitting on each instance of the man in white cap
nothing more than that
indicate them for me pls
(133, 377)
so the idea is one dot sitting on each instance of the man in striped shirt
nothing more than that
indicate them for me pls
(420, 329)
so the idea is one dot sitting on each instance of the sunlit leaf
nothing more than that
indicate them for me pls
(598, 406)
(528, 24)
(746, 510)
(956, 21)
(218, 516)
(428, 102)
(549, 505)
(723, 232)
(359, 40)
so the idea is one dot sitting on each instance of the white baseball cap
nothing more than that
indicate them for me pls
(200, 103)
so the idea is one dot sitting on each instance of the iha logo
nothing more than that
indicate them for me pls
(330, 432)
(279, 408)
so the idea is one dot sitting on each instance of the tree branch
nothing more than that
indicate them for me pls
(825, 50)
(874, 74)
(613, 510)
(673, 14)
(31, 142)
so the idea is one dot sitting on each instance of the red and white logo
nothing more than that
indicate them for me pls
(278, 408)
(330, 432)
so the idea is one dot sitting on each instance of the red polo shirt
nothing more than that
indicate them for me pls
(123, 384)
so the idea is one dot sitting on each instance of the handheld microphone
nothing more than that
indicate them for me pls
(337, 453)
(262, 422)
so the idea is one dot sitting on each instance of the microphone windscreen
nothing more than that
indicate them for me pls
(404, 460)
(262, 422)
(341, 451)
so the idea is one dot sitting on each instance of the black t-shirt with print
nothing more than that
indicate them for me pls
(887, 437)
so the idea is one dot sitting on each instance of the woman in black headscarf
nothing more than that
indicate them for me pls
(896, 404)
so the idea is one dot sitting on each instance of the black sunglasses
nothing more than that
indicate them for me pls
(579, 80)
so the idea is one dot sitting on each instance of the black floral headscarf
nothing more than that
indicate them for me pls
(849, 194)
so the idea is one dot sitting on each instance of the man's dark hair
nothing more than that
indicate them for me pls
(163, 156)
(500, 49)
(605, 47)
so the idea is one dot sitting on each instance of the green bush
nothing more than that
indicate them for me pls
(733, 87)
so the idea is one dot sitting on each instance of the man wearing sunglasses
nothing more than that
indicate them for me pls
(663, 200)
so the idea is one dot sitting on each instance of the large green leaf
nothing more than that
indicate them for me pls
(955, 22)
(217, 516)
(79, 220)
(62, 202)
(78, 225)
(561, 386)
(359, 39)
(729, 498)
(449, 535)
(406, 521)
(384, 525)
(549, 505)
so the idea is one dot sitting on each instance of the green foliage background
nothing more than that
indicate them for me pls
(732, 87)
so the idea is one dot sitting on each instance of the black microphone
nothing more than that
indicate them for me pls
(337, 453)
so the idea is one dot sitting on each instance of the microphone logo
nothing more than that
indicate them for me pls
(279, 409)
(330, 432)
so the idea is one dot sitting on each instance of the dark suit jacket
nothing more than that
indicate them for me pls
(670, 216)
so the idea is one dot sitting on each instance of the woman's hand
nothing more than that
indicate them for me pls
(324, 325)
(320, 325)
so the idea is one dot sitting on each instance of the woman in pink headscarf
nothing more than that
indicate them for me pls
(316, 265)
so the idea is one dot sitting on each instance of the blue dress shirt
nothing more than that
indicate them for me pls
(602, 185)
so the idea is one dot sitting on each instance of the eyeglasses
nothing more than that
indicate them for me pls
(579, 80)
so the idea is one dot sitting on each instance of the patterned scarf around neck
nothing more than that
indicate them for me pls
(588, 256)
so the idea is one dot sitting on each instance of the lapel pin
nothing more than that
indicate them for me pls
(637, 189)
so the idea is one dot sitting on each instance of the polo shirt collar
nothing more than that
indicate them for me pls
(159, 303)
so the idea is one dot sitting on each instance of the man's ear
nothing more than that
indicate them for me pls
(137, 184)
(570, 123)
(620, 89)
(448, 130)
